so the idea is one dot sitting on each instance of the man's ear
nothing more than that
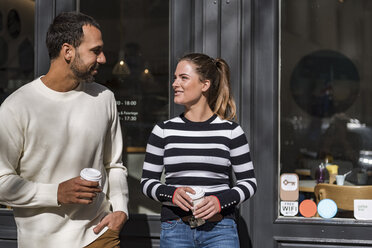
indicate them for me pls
(67, 52)
(206, 85)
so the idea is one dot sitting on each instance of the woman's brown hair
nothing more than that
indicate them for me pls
(217, 71)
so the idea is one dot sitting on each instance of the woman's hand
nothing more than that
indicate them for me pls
(207, 208)
(183, 200)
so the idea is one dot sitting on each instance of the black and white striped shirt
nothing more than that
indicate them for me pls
(198, 154)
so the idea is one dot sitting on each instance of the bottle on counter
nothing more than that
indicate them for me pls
(320, 173)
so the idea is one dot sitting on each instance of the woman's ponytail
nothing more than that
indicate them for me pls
(224, 104)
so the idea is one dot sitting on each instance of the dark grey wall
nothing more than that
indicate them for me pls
(264, 106)
(219, 28)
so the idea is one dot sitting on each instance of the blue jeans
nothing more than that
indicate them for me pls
(177, 234)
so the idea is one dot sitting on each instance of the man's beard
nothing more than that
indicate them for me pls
(82, 74)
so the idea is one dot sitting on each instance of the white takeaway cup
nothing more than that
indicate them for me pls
(91, 174)
(197, 198)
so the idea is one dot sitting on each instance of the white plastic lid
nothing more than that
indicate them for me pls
(90, 174)
(199, 193)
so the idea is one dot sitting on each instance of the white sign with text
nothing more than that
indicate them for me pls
(289, 208)
(363, 209)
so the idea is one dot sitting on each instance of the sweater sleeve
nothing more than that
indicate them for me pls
(116, 171)
(153, 167)
(16, 191)
(242, 166)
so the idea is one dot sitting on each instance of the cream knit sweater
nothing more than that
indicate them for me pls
(47, 137)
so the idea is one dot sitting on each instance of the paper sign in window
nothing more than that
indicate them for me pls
(363, 209)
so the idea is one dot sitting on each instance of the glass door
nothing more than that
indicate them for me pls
(136, 38)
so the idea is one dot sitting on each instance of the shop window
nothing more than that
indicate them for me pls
(135, 34)
(325, 103)
(16, 46)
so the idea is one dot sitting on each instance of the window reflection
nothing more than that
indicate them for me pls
(324, 82)
(135, 34)
(16, 45)
(325, 88)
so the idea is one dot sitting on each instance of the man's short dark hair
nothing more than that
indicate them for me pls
(67, 27)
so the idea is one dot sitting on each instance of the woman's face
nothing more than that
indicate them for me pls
(188, 89)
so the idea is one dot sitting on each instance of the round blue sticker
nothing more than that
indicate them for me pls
(327, 208)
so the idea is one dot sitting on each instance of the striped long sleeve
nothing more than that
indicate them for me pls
(198, 154)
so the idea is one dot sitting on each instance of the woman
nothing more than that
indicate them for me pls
(198, 149)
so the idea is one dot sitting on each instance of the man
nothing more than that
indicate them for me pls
(52, 128)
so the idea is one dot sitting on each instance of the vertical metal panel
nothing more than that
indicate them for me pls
(211, 24)
(246, 223)
(44, 14)
(65, 5)
(245, 70)
(181, 41)
(198, 26)
(230, 48)
(265, 121)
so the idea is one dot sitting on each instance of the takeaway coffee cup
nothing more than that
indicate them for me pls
(91, 174)
(197, 198)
